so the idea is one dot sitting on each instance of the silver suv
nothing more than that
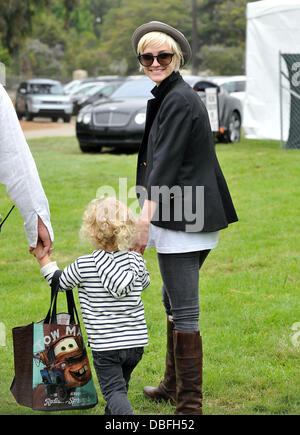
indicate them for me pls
(43, 98)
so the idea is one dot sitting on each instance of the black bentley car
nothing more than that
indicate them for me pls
(119, 120)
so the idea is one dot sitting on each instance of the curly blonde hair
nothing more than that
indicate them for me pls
(108, 224)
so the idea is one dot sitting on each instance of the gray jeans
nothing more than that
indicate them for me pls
(114, 368)
(180, 290)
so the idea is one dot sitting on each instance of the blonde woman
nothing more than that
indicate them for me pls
(110, 281)
(177, 159)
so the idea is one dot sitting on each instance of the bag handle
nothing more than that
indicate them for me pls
(3, 220)
(51, 315)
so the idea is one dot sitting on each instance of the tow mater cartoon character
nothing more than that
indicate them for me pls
(66, 366)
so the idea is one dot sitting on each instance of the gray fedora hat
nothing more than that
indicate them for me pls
(158, 26)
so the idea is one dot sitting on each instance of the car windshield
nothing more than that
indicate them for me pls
(94, 89)
(109, 89)
(136, 88)
(86, 88)
(46, 89)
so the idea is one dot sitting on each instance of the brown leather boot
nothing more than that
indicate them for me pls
(188, 361)
(167, 388)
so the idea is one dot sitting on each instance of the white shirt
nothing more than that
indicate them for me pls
(19, 173)
(109, 288)
(173, 242)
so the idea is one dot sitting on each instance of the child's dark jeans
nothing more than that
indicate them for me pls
(114, 368)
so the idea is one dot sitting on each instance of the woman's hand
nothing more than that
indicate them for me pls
(141, 239)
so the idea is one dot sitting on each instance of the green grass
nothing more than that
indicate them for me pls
(249, 285)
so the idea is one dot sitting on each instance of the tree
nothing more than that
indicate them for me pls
(120, 23)
(89, 54)
(15, 21)
(4, 55)
(38, 59)
(99, 9)
(195, 44)
(222, 28)
(220, 60)
(69, 6)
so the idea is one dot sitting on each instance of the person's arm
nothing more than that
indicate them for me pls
(141, 239)
(19, 173)
(174, 129)
(70, 276)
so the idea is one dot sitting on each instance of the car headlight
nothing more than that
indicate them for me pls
(86, 118)
(79, 117)
(140, 118)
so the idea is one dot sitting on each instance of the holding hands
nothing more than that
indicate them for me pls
(142, 235)
(44, 246)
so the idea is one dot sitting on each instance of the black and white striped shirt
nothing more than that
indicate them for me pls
(109, 287)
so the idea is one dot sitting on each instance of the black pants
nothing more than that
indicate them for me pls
(114, 368)
(180, 290)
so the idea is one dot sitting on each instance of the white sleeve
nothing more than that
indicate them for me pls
(69, 278)
(19, 173)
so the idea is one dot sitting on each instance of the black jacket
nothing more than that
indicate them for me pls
(177, 151)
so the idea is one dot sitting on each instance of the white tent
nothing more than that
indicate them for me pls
(273, 26)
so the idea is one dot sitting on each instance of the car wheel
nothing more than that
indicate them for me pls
(28, 115)
(89, 149)
(67, 118)
(54, 118)
(233, 133)
(19, 114)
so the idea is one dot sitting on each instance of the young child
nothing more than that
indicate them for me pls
(110, 281)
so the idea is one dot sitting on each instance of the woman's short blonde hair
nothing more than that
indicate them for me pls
(108, 224)
(157, 39)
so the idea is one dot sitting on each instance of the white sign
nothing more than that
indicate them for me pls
(211, 102)
(2, 74)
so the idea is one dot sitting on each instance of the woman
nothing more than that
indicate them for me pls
(177, 156)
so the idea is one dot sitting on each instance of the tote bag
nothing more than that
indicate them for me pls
(52, 370)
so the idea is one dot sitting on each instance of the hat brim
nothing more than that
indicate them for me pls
(158, 26)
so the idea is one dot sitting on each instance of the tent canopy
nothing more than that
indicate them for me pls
(272, 27)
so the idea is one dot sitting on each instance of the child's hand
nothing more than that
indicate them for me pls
(39, 254)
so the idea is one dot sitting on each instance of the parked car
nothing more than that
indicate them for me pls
(97, 93)
(117, 122)
(71, 86)
(92, 91)
(120, 121)
(43, 98)
(80, 93)
(234, 85)
(230, 108)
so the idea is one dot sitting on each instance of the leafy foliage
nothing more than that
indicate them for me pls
(95, 34)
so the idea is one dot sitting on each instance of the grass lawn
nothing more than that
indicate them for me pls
(249, 285)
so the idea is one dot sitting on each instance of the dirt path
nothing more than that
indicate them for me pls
(43, 128)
